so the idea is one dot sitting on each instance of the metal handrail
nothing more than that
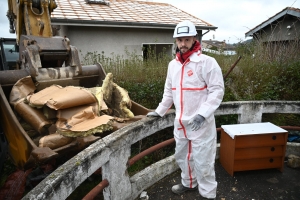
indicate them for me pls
(150, 150)
(96, 190)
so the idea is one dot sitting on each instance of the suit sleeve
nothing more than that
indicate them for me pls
(215, 87)
(167, 99)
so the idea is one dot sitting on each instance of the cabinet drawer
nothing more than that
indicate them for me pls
(258, 152)
(259, 163)
(260, 140)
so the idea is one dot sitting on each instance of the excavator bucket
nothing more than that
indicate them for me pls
(41, 59)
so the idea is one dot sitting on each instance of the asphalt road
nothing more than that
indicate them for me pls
(267, 184)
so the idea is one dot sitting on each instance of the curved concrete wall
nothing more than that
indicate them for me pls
(111, 153)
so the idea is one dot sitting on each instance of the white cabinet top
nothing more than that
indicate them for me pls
(252, 128)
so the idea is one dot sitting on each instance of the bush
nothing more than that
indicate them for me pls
(267, 71)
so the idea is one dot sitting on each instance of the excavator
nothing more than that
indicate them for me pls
(48, 60)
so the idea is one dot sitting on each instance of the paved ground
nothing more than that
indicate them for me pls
(268, 184)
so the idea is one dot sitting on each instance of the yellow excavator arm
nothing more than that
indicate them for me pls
(30, 17)
(31, 21)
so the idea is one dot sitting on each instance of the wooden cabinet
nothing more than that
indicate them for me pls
(252, 146)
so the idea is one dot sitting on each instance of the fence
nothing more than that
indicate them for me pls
(112, 153)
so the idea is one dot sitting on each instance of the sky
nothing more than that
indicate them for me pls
(232, 17)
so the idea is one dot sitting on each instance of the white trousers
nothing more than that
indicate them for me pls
(196, 159)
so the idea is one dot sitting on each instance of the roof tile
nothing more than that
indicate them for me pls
(123, 11)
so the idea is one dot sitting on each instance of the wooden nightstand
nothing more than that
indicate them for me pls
(252, 146)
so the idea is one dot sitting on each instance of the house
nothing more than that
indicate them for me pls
(283, 26)
(217, 47)
(118, 26)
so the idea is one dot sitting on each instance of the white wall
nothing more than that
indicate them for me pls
(114, 40)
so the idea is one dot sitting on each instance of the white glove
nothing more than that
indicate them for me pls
(153, 114)
(196, 122)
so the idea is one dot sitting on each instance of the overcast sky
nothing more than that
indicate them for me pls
(232, 17)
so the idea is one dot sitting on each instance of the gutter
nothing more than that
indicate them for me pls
(72, 22)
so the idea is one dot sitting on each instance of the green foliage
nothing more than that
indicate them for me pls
(143, 79)
(281, 119)
(148, 93)
(214, 48)
(267, 71)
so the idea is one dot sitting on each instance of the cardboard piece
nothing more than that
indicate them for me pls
(57, 97)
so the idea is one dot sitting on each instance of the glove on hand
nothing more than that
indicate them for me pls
(196, 122)
(153, 114)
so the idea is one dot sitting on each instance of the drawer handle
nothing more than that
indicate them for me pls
(271, 160)
(272, 149)
(274, 137)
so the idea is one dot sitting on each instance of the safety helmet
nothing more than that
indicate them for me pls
(185, 28)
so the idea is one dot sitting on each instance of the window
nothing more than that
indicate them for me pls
(157, 50)
(10, 54)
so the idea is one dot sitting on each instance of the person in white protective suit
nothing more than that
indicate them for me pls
(195, 85)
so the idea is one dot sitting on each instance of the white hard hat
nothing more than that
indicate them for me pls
(185, 28)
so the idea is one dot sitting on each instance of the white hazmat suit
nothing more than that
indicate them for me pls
(195, 87)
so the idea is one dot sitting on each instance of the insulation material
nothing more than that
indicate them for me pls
(49, 113)
(116, 98)
(81, 116)
(103, 106)
(82, 142)
(74, 111)
(66, 114)
(34, 117)
(21, 89)
(97, 91)
(121, 102)
(108, 88)
(54, 141)
(82, 125)
(122, 122)
(57, 97)
(40, 98)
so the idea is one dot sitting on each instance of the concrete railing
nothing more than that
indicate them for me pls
(112, 153)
